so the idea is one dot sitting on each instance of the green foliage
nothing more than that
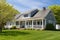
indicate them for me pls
(50, 27)
(13, 27)
(2, 1)
(7, 12)
(56, 11)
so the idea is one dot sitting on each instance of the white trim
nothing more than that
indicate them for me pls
(42, 24)
(19, 23)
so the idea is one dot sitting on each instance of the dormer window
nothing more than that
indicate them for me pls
(26, 15)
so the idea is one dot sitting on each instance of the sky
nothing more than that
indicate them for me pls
(23, 5)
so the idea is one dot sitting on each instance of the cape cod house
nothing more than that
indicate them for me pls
(34, 19)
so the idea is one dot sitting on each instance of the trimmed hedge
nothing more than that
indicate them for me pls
(50, 27)
(13, 27)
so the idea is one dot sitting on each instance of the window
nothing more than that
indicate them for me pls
(44, 22)
(30, 22)
(17, 22)
(34, 23)
(41, 22)
(50, 21)
(27, 23)
(26, 15)
(38, 22)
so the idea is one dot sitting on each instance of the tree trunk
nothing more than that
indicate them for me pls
(0, 28)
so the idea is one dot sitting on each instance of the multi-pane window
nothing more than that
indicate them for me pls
(27, 23)
(26, 15)
(17, 22)
(30, 22)
(34, 23)
(38, 22)
(41, 22)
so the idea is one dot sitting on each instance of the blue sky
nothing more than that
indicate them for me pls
(23, 5)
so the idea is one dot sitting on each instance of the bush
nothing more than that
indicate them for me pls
(50, 27)
(13, 27)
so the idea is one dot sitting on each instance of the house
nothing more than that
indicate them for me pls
(35, 19)
(58, 26)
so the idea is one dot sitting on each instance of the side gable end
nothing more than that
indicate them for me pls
(50, 17)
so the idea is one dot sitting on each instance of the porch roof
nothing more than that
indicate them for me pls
(25, 19)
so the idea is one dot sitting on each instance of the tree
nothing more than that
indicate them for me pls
(7, 13)
(56, 11)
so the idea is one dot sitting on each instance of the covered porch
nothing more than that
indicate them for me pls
(39, 24)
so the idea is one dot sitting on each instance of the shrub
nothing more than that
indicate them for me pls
(50, 27)
(13, 27)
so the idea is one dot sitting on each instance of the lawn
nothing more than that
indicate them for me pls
(29, 35)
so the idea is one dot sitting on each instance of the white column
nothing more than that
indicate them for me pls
(42, 24)
(15, 23)
(32, 24)
(28, 24)
(19, 24)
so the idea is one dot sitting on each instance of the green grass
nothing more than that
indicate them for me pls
(29, 35)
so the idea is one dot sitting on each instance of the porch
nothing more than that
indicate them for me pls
(39, 24)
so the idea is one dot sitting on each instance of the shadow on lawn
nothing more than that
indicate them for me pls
(13, 33)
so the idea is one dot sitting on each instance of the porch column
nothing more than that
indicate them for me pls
(32, 24)
(25, 25)
(42, 24)
(15, 23)
(18, 25)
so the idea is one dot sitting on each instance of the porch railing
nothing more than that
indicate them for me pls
(37, 26)
(34, 26)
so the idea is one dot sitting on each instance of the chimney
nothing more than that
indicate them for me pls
(44, 8)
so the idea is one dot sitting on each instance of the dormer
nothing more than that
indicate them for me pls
(27, 15)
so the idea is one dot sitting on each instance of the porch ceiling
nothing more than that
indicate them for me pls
(26, 19)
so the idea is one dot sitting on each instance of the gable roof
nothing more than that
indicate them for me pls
(26, 12)
(41, 14)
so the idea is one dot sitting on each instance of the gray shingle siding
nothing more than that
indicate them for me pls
(50, 17)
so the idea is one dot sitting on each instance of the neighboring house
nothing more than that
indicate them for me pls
(58, 26)
(35, 19)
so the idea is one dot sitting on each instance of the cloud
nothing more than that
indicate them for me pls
(23, 5)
